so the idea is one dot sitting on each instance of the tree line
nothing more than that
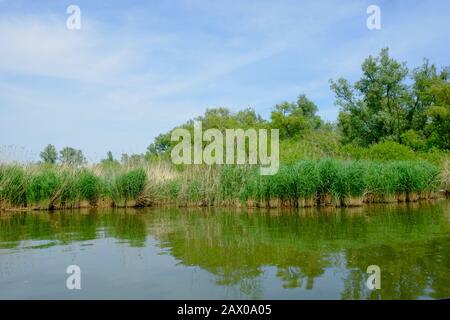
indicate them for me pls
(389, 103)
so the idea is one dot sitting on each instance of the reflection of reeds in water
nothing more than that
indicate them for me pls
(237, 245)
(70, 226)
(301, 243)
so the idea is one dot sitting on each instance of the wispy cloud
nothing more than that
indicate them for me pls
(134, 71)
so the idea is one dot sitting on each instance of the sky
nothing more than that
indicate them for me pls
(136, 69)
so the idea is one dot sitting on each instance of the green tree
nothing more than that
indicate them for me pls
(437, 128)
(71, 156)
(109, 156)
(109, 160)
(294, 119)
(375, 107)
(381, 106)
(160, 145)
(219, 118)
(49, 154)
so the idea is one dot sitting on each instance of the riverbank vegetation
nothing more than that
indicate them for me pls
(328, 181)
(391, 142)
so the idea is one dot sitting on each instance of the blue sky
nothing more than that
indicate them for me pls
(137, 69)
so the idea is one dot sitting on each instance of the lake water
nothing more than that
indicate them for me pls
(228, 254)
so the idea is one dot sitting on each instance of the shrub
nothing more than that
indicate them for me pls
(353, 152)
(413, 140)
(390, 150)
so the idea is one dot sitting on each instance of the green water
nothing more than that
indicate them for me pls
(228, 254)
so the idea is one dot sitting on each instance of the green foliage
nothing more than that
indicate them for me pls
(173, 189)
(402, 177)
(328, 170)
(71, 156)
(131, 184)
(13, 185)
(381, 106)
(314, 145)
(49, 154)
(379, 113)
(43, 187)
(69, 193)
(413, 140)
(387, 151)
(218, 118)
(390, 150)
(351, 180)
(89, 186)
(109, 161)
(307, 179)
(294, 119)
(301, 183)
(350, 151)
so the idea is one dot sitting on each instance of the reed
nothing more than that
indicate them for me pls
(305, 183)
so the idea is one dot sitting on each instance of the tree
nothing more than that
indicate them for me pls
(109, 160)
(437, 128)
(72, 156)
(161, 144)
(109, 156)
(375, 107)
(381, 106)
(49, 154)
(219, 118)
(293, 119)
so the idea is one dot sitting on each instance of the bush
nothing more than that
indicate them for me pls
(413, 140)
(353, 152)
(390, 150)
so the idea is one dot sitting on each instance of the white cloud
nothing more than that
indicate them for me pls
(135, 79)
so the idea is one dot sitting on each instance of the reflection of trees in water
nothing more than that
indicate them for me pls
(70, 226)
(302, 271)
(237, 246)
(408, 271)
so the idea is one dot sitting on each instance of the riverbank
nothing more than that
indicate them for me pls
(306, 183)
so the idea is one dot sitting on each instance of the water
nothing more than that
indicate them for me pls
(228, 254)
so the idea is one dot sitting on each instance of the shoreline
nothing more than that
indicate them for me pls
(273, 204)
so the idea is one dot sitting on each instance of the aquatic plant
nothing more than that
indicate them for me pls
(89, 186)
(131, 184)
(328, 181)
(42, 188)
(13, 185)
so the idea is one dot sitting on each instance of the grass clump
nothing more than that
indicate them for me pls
(130, 185)
(329, 175)
(88, 186)
(328, 181)
(13, 185)
(42, 189)
(307, 182)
